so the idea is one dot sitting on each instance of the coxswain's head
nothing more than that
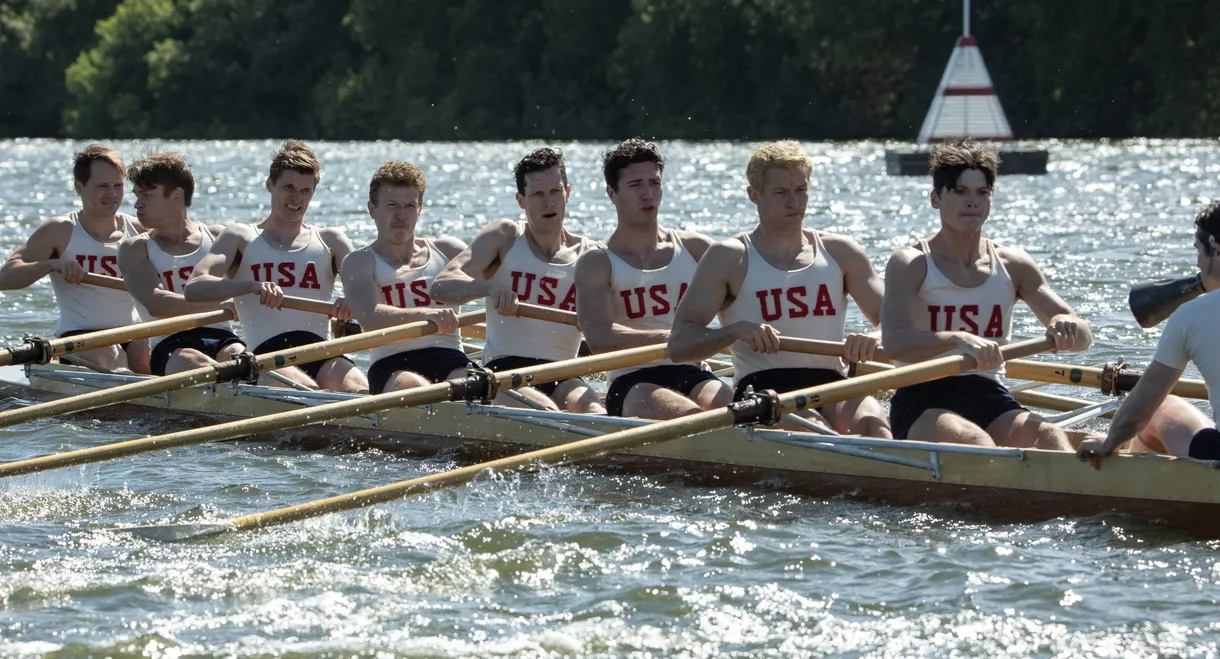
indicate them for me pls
(98, 178)
(292, 180)
(164, 187)
(1207, 244)
(396, 198)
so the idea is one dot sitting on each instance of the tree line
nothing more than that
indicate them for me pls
(594, 69)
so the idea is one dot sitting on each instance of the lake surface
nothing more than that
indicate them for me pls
(582, 562)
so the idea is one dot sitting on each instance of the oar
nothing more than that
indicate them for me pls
(1108, 379)
(242, 367)
(479, 385)
(41, 351)
(1153, 301)
(762, 409)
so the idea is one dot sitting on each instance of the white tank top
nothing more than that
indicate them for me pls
(984, 310)
(647, 299)
(407, 288)
(83, 307)
(810, 303)
(304, 272)
(174, 270)
(536, 282)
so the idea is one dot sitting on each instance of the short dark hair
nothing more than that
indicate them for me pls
(400, 173)
(1207, 224)
(166, 168)
(296, 156)
(626, 153)
(82, 162)
(950, 159)
(540, 160)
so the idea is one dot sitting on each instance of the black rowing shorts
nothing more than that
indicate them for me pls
(208, 340)
(296, 339)
(434, 364)
(682, 378)
(976, 398)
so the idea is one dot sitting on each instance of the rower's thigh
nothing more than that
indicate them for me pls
(710, 394)
(292, 373)
(1025, 429)
(859, 416)
(649, 401)
(138, 356)
(400, 380)
(576, 395)
(343, 376)
(937, 425)
(539, 400)
(108, 357)
(185, 359)
(1173, 425)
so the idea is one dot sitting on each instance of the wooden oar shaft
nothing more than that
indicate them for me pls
(209, 374)
(109, 337)
(323, 307)
(631, 438)
(1090, 376)
(322, 413)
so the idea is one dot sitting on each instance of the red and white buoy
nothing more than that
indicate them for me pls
(966, 105)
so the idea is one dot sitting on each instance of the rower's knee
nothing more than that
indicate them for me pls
(1172, 427)
(1051, 437)
(650, 401)
(711, 394)
(185, 360)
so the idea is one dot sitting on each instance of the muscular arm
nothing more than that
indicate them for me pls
(340, 246)
(144, 284)
(1139, 406)
(362, 295)
(595, 309)
(468, 274)
(209, 282)
(712, 286)
(1033, 288)
(901, 336)
(38, 256)
(859, 278)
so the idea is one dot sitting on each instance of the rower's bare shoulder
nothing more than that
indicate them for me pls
(593, 267)
(842, 247)
(907, 265)
(214, 229)
(359, 264)
(697, 243)
(134, 222)
(729, 250)
(450, 246)
(1018, 262)
(334, 236)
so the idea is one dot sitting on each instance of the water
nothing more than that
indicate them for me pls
(581, 562)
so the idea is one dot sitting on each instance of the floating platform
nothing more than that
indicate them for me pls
(914, 162)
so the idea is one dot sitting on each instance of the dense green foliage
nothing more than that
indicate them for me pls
(598, 69)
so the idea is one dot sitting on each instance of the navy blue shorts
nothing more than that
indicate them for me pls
(978, 399)
(512, 363)
(296, 339)
(1205, 445)
(783, 380)
(434, 364)
(208, 340)
(682, 378)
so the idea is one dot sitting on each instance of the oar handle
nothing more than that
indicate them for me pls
(828, 348)
(548, 314)
(1109, 379)
(290, 301)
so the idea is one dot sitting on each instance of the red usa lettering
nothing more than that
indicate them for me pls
(658, 302)
(285, 274)
(168, 278)
(775, 302)
(395, 294)
(106, 265)
(964, 319)
(546, 293)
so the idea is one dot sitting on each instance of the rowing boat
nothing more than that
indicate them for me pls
(1009, 484)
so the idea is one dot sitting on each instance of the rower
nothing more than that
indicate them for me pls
(535, 262)
(157, 264)
(627, 291)
(68, 246)
(256, 265)
(1156, 420)
(783, 279)
(955, 293)
(387, 283)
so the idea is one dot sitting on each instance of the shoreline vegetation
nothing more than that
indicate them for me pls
(420, 70)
